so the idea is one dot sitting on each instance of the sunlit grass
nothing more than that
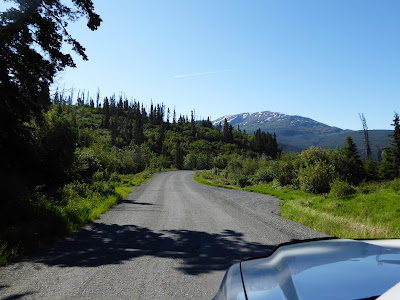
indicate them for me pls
(204, 178)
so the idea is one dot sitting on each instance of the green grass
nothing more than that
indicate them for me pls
(203, 177)
(375, 214)
(278, 192)
(372, 212)
(77, 204)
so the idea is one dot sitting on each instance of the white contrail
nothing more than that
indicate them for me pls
(203, 73)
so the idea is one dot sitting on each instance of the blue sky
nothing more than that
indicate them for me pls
(326, 60)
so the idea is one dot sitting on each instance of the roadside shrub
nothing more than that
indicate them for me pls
(203, 162)
(370, 187)
(285, 173)
(317, 178)
(190, 162)
(262, 175)
(340, 188)
(101, 176)
(114, 177)
(103, 188)
(395, 184)
(313, 155)
(241, 180)
(86, 162)
(235, 165)
(249, 166)
(220, 161)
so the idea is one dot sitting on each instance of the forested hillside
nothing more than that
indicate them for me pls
(154, 137)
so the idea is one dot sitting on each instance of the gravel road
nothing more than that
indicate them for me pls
(172, 238)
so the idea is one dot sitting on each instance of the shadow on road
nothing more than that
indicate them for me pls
(199, 252)
(127, 201)
(18, 296)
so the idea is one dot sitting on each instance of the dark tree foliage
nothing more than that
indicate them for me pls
(178, 155)
(265, 143)
(26, 73)
(192, 124)
(390, 167)
(207, 123)
(32, 33)
(138, 135)
(228, 136)
(106, 111)
(352, 164)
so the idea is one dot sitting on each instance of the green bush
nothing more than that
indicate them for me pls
(203, 161)
(86, 162)
(101, 176)
(313, 155)
(340, 189)
(190, 161)
(114, 177)
(249, 166)
(317, 178)
(220, 161)
(262, 175)
(241, 180)
(285, 173)
(395, 184)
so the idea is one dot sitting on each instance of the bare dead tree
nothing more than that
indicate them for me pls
(367, 146)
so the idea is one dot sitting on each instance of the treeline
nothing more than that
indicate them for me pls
(155, 137)
(316, 170)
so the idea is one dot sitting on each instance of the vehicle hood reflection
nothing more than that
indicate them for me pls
(327, 269)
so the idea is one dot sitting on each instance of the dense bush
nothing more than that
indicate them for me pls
(241, 180)
(190, 161)
(286, 170)
(340, 189)
(317, 178)
(262, 175)
(220, 161)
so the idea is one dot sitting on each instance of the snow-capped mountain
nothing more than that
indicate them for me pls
(296, 133)
(269, 118)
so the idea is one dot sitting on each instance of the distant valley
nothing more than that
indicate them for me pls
(296, 133)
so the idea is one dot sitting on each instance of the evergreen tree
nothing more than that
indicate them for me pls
(192, 124)
(390, 167)
(228, 136)
(106, 111)
(160, 139)
(355, 170)
(218, 128)
(178, 155)
(138, 128)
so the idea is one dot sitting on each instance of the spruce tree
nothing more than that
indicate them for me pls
(138, 135)
(355, 170)
(106, 111)
(178, 155)
(391, 153)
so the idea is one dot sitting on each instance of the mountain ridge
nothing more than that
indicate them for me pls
(296, 133)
